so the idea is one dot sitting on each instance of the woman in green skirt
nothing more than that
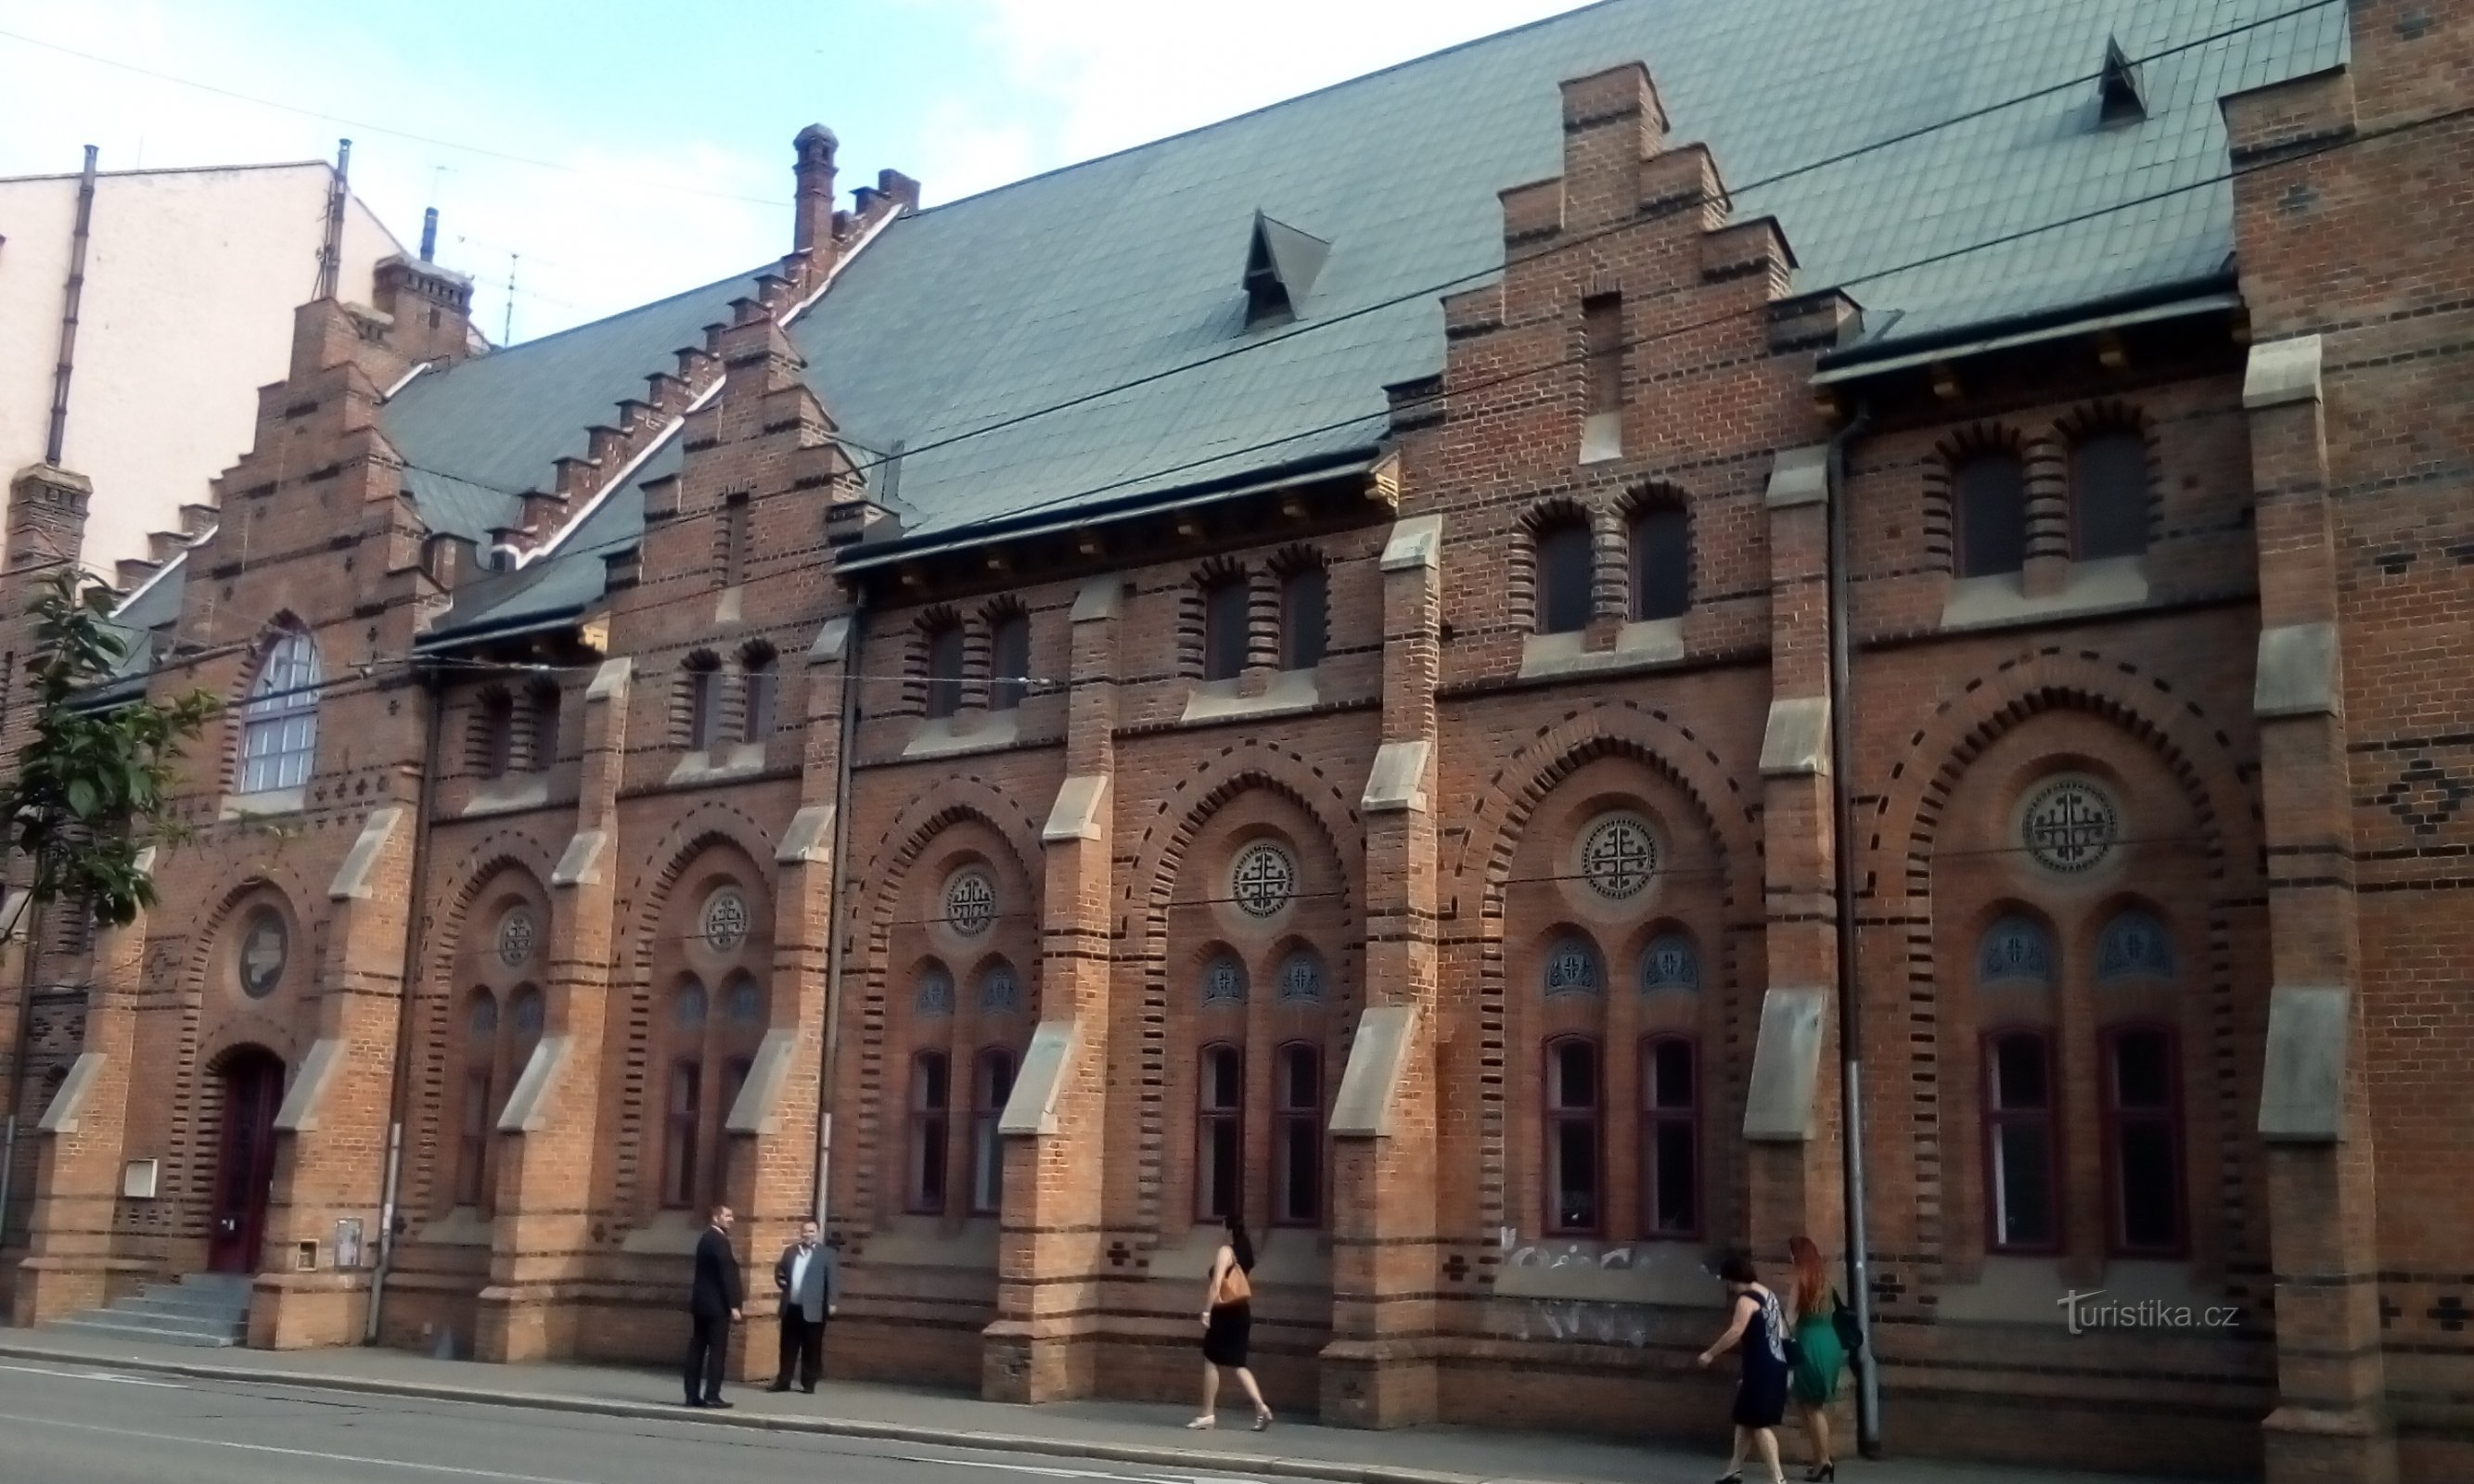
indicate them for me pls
(1812, 1380)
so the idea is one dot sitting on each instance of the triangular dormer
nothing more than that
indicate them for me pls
(1281, 267)
(2120, 100)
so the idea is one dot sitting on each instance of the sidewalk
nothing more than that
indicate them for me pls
(1119, 1432)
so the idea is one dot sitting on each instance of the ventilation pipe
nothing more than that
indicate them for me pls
(1851, 1020)
(55, 439)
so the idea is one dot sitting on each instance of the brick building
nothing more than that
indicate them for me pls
(1289, 671)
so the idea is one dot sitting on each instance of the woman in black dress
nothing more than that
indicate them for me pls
(1227, 1316)
(1760, 1324)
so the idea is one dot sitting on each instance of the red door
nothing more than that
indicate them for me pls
(245, 1168)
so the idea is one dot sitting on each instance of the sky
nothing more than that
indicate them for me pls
(651, 143)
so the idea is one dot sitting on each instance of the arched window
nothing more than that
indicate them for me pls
(543, 701)
(1563, 569)
(527, 1011)
(1225, 627)
(1989, 505)
(1662, 563)
(1670, 1138)
(931, 1100)
(2143, 1140)
(1219, 1132)
(2109, 496)
(1571, 966)
(933, 996)
(473, 1138)
(1009, 662)
(1301, 976)
(278, 733)
(703, 681)
(1305, 616)
(493, 733)
(2133, 945)
(1224, 980)
(991, 1086)
(944, 649)
(2019, 1143)
(1670, 965)
(743, 1004)
(760, 679)
(2015, 950)
(1573, 1135)
(1296, 1134)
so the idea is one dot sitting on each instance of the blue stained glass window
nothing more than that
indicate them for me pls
(1669, 963)
(2015, 952)
(1572, 966)
(2134, 945)
(936, 993)
(1224, 981)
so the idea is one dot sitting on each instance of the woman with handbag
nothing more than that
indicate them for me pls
(1227, 1318)
(1812, 1380)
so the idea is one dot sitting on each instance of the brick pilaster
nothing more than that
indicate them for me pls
(1049, 1263)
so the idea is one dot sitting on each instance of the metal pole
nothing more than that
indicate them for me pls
(56, 440)
(852, 643)
(1851, 1020)
(34, 919)
(330, 251)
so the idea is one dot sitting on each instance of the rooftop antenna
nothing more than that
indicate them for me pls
(330, 252)
(507, 327)
(429, 236)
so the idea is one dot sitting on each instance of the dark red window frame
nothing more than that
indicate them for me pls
(1297, 1135)
(1997, 1117)
(1558, 1115)
(2165, 1116)
(1659, 1113)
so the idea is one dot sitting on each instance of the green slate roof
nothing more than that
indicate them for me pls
(969, 314)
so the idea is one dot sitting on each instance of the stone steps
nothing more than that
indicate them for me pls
(210, 1310)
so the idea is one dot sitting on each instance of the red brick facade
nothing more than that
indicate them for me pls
(1465, 960)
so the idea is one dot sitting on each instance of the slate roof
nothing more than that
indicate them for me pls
(972, 313)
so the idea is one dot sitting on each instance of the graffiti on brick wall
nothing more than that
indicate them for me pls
(1590, 1321)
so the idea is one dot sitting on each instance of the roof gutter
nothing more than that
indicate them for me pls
(869, 555)
(2215, 294)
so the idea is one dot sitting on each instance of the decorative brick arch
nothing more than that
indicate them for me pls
(1648, 735)
(1899, 836)
(1240, 769)
(961, 800)
(708, 825)
(437, 995)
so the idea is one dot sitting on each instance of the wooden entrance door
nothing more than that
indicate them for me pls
(253, 1084)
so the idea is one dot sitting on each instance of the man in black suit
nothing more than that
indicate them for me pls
(713, 1303)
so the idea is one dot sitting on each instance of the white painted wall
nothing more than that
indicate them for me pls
(191, 277)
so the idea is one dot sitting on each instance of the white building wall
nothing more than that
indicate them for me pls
(191, 278)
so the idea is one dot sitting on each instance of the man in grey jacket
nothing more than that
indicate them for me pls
(811, 1287)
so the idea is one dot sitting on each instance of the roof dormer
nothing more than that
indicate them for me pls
(1281, 267)
(2120, 97)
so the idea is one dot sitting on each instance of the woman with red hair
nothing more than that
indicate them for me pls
(1812, 1380)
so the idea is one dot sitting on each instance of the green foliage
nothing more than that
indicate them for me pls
(91, 792)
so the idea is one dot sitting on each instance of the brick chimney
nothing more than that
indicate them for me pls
(431, 308)
(813, 230)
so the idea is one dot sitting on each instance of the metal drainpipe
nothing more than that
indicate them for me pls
(20, 1063)
(852, 645)
(1851, 1022)
(415, 941)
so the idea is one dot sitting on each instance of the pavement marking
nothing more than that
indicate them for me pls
(95, 1376)
(1052, 1472)
(294, 1452)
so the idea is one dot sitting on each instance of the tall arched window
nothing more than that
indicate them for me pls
(1670, 1138)
(703, 681)
(944, 651)
(931, 1102)
(1304, 616)
(2018, 1142)
(2109, 496)
(279, 733)
(2143, 1140)
(1225, 627)
(1219, 1132)
(1662, 563)
(991, 1083)
(1989, 507)
(685, 1111)
(1296, 1125)
(761, 679)
(1573, 1135)
(542, 701)
(1564, 564)
(1009, 662)
(473, 1127)
(493, 733)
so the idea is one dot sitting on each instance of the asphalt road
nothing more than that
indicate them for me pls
(75, 1425)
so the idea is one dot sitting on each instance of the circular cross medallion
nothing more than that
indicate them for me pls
(2070, 826)
(1619, 856)
(516, 937)
(1263, 879)
(265, 945)
(725, 921)
(970, 900)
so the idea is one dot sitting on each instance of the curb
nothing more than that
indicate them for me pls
(1204, 1460)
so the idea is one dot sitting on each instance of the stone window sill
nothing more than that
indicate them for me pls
(969, 731)
(462, 1227)
(2029, 1290)
(2116, 584)
(509, 796)
(1638, 646)
(265, 804)
(1601, 437)
(738, 759)
(925, 1242)
(1290, 692)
